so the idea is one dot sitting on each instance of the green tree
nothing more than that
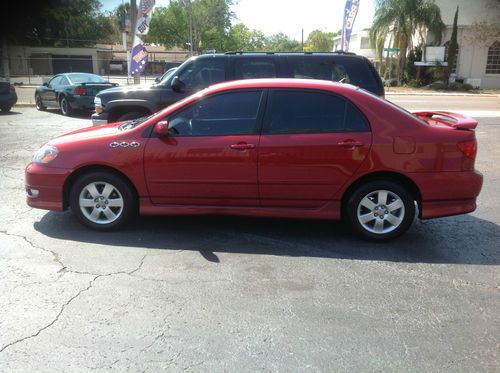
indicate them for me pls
(241, 38)
(204, 23)
(57, 23)
(282, 43)
(319, 41)
(404, 19)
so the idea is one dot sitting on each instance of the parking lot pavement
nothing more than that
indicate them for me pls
(242, 294)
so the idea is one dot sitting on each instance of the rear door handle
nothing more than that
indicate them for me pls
(350, 143)
(242, 146)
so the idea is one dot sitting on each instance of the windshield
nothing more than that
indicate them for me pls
(167, 75)
(134, 123)
(86, 78)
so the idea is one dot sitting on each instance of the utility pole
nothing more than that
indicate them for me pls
(5, 58)
(302, 40)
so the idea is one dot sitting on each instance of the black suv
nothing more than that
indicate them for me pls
(124, 103)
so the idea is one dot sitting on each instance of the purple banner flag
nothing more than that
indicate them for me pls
(139, 57)
(350, 12)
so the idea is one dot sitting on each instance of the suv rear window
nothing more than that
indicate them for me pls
(346, 69)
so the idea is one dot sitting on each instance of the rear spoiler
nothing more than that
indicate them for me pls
(91, 83)
(454, 120)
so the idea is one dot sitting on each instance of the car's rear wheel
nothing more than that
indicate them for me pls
(380, 210)
(131, 115)
(39, 103)
(102, 200)
(5, 109)
(64, 106)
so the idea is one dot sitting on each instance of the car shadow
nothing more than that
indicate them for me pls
(11, 112)
(455, 240)
(80, 114)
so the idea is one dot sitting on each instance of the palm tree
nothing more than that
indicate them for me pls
(404, 19)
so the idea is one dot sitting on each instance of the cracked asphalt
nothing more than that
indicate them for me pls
(217, 294)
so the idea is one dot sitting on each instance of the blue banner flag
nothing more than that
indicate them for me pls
(139, 57)
(350, 12)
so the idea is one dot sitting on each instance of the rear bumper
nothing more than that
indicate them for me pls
(8, 99)
(82, 102)
(44, 186)
(448, 193)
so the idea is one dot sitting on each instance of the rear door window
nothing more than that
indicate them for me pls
(255, 68)
(302, 111)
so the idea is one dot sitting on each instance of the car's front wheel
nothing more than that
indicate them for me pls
(39, 103)
(64, 106)
(380, 210)
(102, 200)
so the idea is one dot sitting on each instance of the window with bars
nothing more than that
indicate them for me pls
(493, 61)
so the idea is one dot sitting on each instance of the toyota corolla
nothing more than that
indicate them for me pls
(273, 147)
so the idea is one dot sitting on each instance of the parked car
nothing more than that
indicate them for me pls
(70, 91)
(124, 103)
(274, 147)
(8, 96)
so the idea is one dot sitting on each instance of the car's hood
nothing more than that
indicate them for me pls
(87, 133)
(126, 90)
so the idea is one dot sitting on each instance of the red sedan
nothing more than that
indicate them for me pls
(272, 147)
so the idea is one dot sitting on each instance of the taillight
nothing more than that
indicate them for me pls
(468, 148)
(80, 91)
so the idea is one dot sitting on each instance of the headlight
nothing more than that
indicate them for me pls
(98, 105)
(45, 154)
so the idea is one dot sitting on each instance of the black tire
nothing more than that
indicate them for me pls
(104, 204)
(130, 115)
(381, 223)
(39, 103)
(64, 106)
(5, 109)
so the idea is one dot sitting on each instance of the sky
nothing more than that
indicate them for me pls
(288, 16)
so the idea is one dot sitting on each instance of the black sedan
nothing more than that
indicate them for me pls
(70, 91)
(8, 96)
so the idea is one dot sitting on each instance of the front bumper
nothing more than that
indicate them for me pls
(82, 102)
(45, 186)
(98, 119)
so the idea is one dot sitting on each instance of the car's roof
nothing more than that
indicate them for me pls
(237, 54)
(280, 83)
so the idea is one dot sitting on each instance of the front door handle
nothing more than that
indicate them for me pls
(242, 146)
(350, 143)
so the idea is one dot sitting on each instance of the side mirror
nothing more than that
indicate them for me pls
(157, 80)
(45, 84)
(177, 84)
(161, 128)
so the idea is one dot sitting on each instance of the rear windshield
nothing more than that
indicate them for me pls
(86, 78)
(344, 69)
(397, 107)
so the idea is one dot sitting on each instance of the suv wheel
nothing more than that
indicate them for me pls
(380, 210)
(102, 200)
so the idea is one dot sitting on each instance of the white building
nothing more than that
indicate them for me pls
(478, 37)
